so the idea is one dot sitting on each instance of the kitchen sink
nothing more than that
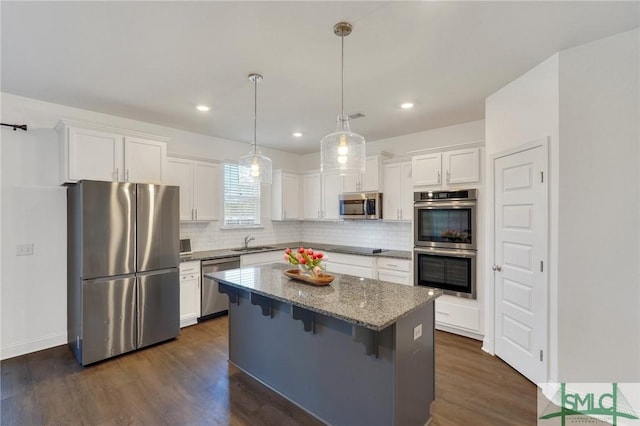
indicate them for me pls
(255, 248)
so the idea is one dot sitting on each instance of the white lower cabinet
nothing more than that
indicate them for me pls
(351, 264)
(459, 314)
(189, 293)
(394, 270)
(262, 258)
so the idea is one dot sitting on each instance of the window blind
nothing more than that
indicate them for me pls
(241, 201)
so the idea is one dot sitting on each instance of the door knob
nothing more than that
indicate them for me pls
(497, 268)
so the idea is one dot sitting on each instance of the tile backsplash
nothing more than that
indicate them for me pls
(361, 233)
(209, 236)
(374, 234)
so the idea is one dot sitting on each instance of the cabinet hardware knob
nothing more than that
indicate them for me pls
(439, 179)
(497, 268)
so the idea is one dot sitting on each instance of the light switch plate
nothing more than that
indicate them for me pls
(417, 332)
(24, 249)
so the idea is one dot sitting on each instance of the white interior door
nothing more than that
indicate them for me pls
(520, 254)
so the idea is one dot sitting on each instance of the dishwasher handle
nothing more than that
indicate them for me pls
(234, 261)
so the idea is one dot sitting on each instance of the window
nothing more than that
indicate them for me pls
(241, 201)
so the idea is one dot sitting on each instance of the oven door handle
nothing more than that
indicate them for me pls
(440, 252)
(444, 204)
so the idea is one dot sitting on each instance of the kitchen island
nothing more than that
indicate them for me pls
(356, 352)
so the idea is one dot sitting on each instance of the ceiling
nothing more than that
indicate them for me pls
(154, 61)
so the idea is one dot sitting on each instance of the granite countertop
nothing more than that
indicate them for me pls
(372, 304)
(361, 251)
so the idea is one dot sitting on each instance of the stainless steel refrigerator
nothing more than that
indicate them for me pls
(122, 266)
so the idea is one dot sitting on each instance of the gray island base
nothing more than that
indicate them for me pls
(356, 352)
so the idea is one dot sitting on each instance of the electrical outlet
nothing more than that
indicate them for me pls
(24, 249)
(417, 332)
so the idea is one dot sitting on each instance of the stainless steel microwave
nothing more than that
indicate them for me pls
(365, 205)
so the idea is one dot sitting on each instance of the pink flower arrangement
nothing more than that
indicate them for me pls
(308, 260)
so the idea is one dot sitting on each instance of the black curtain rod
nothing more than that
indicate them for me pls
(15, 126)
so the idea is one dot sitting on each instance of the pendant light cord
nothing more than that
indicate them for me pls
(255, 113)
(342, 78)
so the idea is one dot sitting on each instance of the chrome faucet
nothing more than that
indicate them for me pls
(247, 240)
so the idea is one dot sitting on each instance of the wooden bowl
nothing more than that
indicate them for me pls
(323, 279)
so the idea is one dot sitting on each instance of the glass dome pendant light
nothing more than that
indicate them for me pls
(343, 151)
(255, 167)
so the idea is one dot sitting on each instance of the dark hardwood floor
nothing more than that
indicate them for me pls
(189, 382)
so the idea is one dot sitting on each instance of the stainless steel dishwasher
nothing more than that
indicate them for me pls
(213, 303)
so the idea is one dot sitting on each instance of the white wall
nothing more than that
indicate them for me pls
(598, 268)
(585, 99)
(525, 110)
(33, 211)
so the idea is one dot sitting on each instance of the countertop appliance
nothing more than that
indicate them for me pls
(364, 205)
(212, 302)
(185, 247)
(444, 253)
(123, 290)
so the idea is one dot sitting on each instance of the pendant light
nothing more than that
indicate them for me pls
(255, 167)
(343, 151)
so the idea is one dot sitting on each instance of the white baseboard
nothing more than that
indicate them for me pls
(185, 322)
(32, 345)
(487, 345)
(459, 331)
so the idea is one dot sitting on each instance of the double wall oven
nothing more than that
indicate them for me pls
(445, 241)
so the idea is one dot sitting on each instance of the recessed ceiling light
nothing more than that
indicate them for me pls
(202, 108)
(406, 105)
(297, 134)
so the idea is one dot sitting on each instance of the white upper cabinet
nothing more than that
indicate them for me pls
(285, 198)
(92, 155)
(206, 190)
(199, 183)
(331, 190)
(180, 173)
(370, 180)
(311, 196)
(462, 166)
(320, 195)
(397, 197)
(447, 168)
(427, 169)
(144, 160)
(101, 153)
